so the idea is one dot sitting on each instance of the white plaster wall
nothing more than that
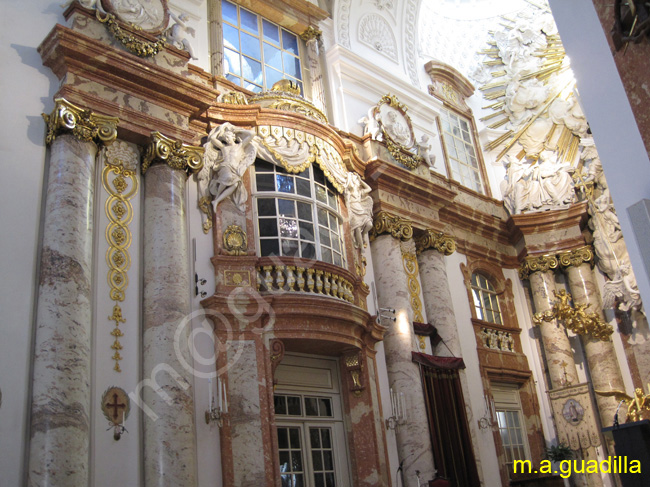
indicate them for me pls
(27, 88)
(623, 155)
(486, 452)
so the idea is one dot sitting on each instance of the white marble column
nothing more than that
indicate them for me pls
(557, 347)
(60, 409)
(435, 285)
(601, 356)
(169, 430)
(413, 443)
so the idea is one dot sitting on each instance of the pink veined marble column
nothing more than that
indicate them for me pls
(413, 443)
(557, 348)
(169, 431)
(437, 297)
(60, 423)
(601, 356)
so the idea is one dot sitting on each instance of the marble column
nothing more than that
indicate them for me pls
(169, 431)
(392, 281)
(601, 356)
(557, 348)
(432, 248)
(60, 422)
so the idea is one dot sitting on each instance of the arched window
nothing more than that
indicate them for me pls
(486, 302)
(298, 214)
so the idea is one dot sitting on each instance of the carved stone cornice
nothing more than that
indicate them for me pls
(398, 227)
(80, 122)
(537, 263)
(431, 239)
(577, 257)
(174, 153)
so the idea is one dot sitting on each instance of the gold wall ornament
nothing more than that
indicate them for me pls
(398, 227)
(410, 263)
(354, 366)
(431, 239)
(235, 241)
(174, 153)
(577, 257)
(541, 263)
(205, 206)
(132, 43)
(576, 319)
(120, 181)
(233, 98)
(638, 407)
(82, 123)
(285, 95)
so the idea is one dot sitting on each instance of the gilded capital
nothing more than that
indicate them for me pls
(577, 257)
(174, 153)
(537, 263)
(386, 223)
(311, 33)
(82, 123)
(430, 239)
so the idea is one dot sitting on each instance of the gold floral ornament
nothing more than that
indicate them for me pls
(119, 180)
(132, 43)
(82, 123)
(542, 263)
(285, 95)
(174, 153)
(234, 240)
(576, 319)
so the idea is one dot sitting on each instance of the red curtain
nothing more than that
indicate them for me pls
(450, 438)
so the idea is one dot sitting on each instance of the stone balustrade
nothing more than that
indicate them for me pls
(277, 274)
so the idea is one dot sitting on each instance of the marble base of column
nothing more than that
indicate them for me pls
(169, 431)
(413, 443)
(60, 441)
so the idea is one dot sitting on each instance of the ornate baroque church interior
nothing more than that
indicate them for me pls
(324, 243)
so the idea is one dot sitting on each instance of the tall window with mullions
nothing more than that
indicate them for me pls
(257, 52)
(298, 215)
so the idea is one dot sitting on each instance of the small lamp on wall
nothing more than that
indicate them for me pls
(216, 412)
(398, 410)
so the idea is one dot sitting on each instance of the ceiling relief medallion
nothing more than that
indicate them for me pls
(374, 31)
(148, 15)
(389, 123)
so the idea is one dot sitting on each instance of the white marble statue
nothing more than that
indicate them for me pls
(371, 124)
(229, 152)
(92, 4)
(177, 33)
(359, 203)
(624, 288)
(515, 188)
(424, 151)
(556, 180)
(397, 130)
(568, 113)
(523, 99)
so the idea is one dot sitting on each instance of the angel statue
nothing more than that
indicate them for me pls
(177, 33)
(229, 152)
(623, 287)
(638, 407)
(359, 203)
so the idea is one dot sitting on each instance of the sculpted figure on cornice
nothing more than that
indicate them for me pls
(229, 152)
(359, 203)
(177, 34)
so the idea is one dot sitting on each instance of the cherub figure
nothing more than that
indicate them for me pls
(229, 152)
(424, 151)
(638, 407)
(177, 34)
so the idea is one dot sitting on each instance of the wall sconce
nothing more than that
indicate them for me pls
(216, 411)
(383, 312)
(398, 407)
(115, 406)
(487, 421)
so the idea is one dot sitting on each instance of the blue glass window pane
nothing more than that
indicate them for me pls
(285, 183)
(271, 32)
(229, 12)
(272, 56)
(287, 208)
(288, 228)
(291, 65)
(234, 79)
(251, 46)
(252, 87)
(230, 37)
(232, 62)
(248, 21)
(289, 42)
(252, 70)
